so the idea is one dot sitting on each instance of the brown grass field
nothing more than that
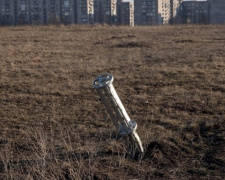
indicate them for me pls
(171, 80)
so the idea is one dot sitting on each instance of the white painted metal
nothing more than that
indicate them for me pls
(126, 126)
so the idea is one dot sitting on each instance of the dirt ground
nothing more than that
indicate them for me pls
(171, 80)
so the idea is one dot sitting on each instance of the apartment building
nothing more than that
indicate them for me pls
(195, 11)
(146, 12)
(216, 11)
(176, 10)
(51, 11)
(125, 13)
(13, 12)
(67, 11)
(85, 11)
(21, 12)
(36, 12)
(0, 14)
(109, 11)
(137, 12)
(164, 10)
(98, 11)
(7, 12)
(105, 11)
(152, 12)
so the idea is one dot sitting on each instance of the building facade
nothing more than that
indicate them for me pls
(51, 11)
(21, 12)
(98, 13)
(125, 13)
(105, 11)
(0, 14)
(109, 11)
(146, 12)
(137, 12)
(84, 11)
(7, 12)
(176, 10)
(216, 11)
(164, 11)
(152, 12)
(195, 11)
(67, 11)
(141, 12)
(36, 12)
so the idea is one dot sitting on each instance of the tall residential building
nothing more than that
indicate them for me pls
(36, 12)
(216, 11)
(176, 10)
(195, 11)
(0, 14)
(98, 11)
(67, 11)
(146, 12)
(164, 10)
(85, 11)
(109, 11)
(105, 11)
(137, 12)
(125, 13)
(51, 11)
(21, 12)
(7, 12)
(152, 12)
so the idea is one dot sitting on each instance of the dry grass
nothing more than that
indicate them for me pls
(171, 80)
